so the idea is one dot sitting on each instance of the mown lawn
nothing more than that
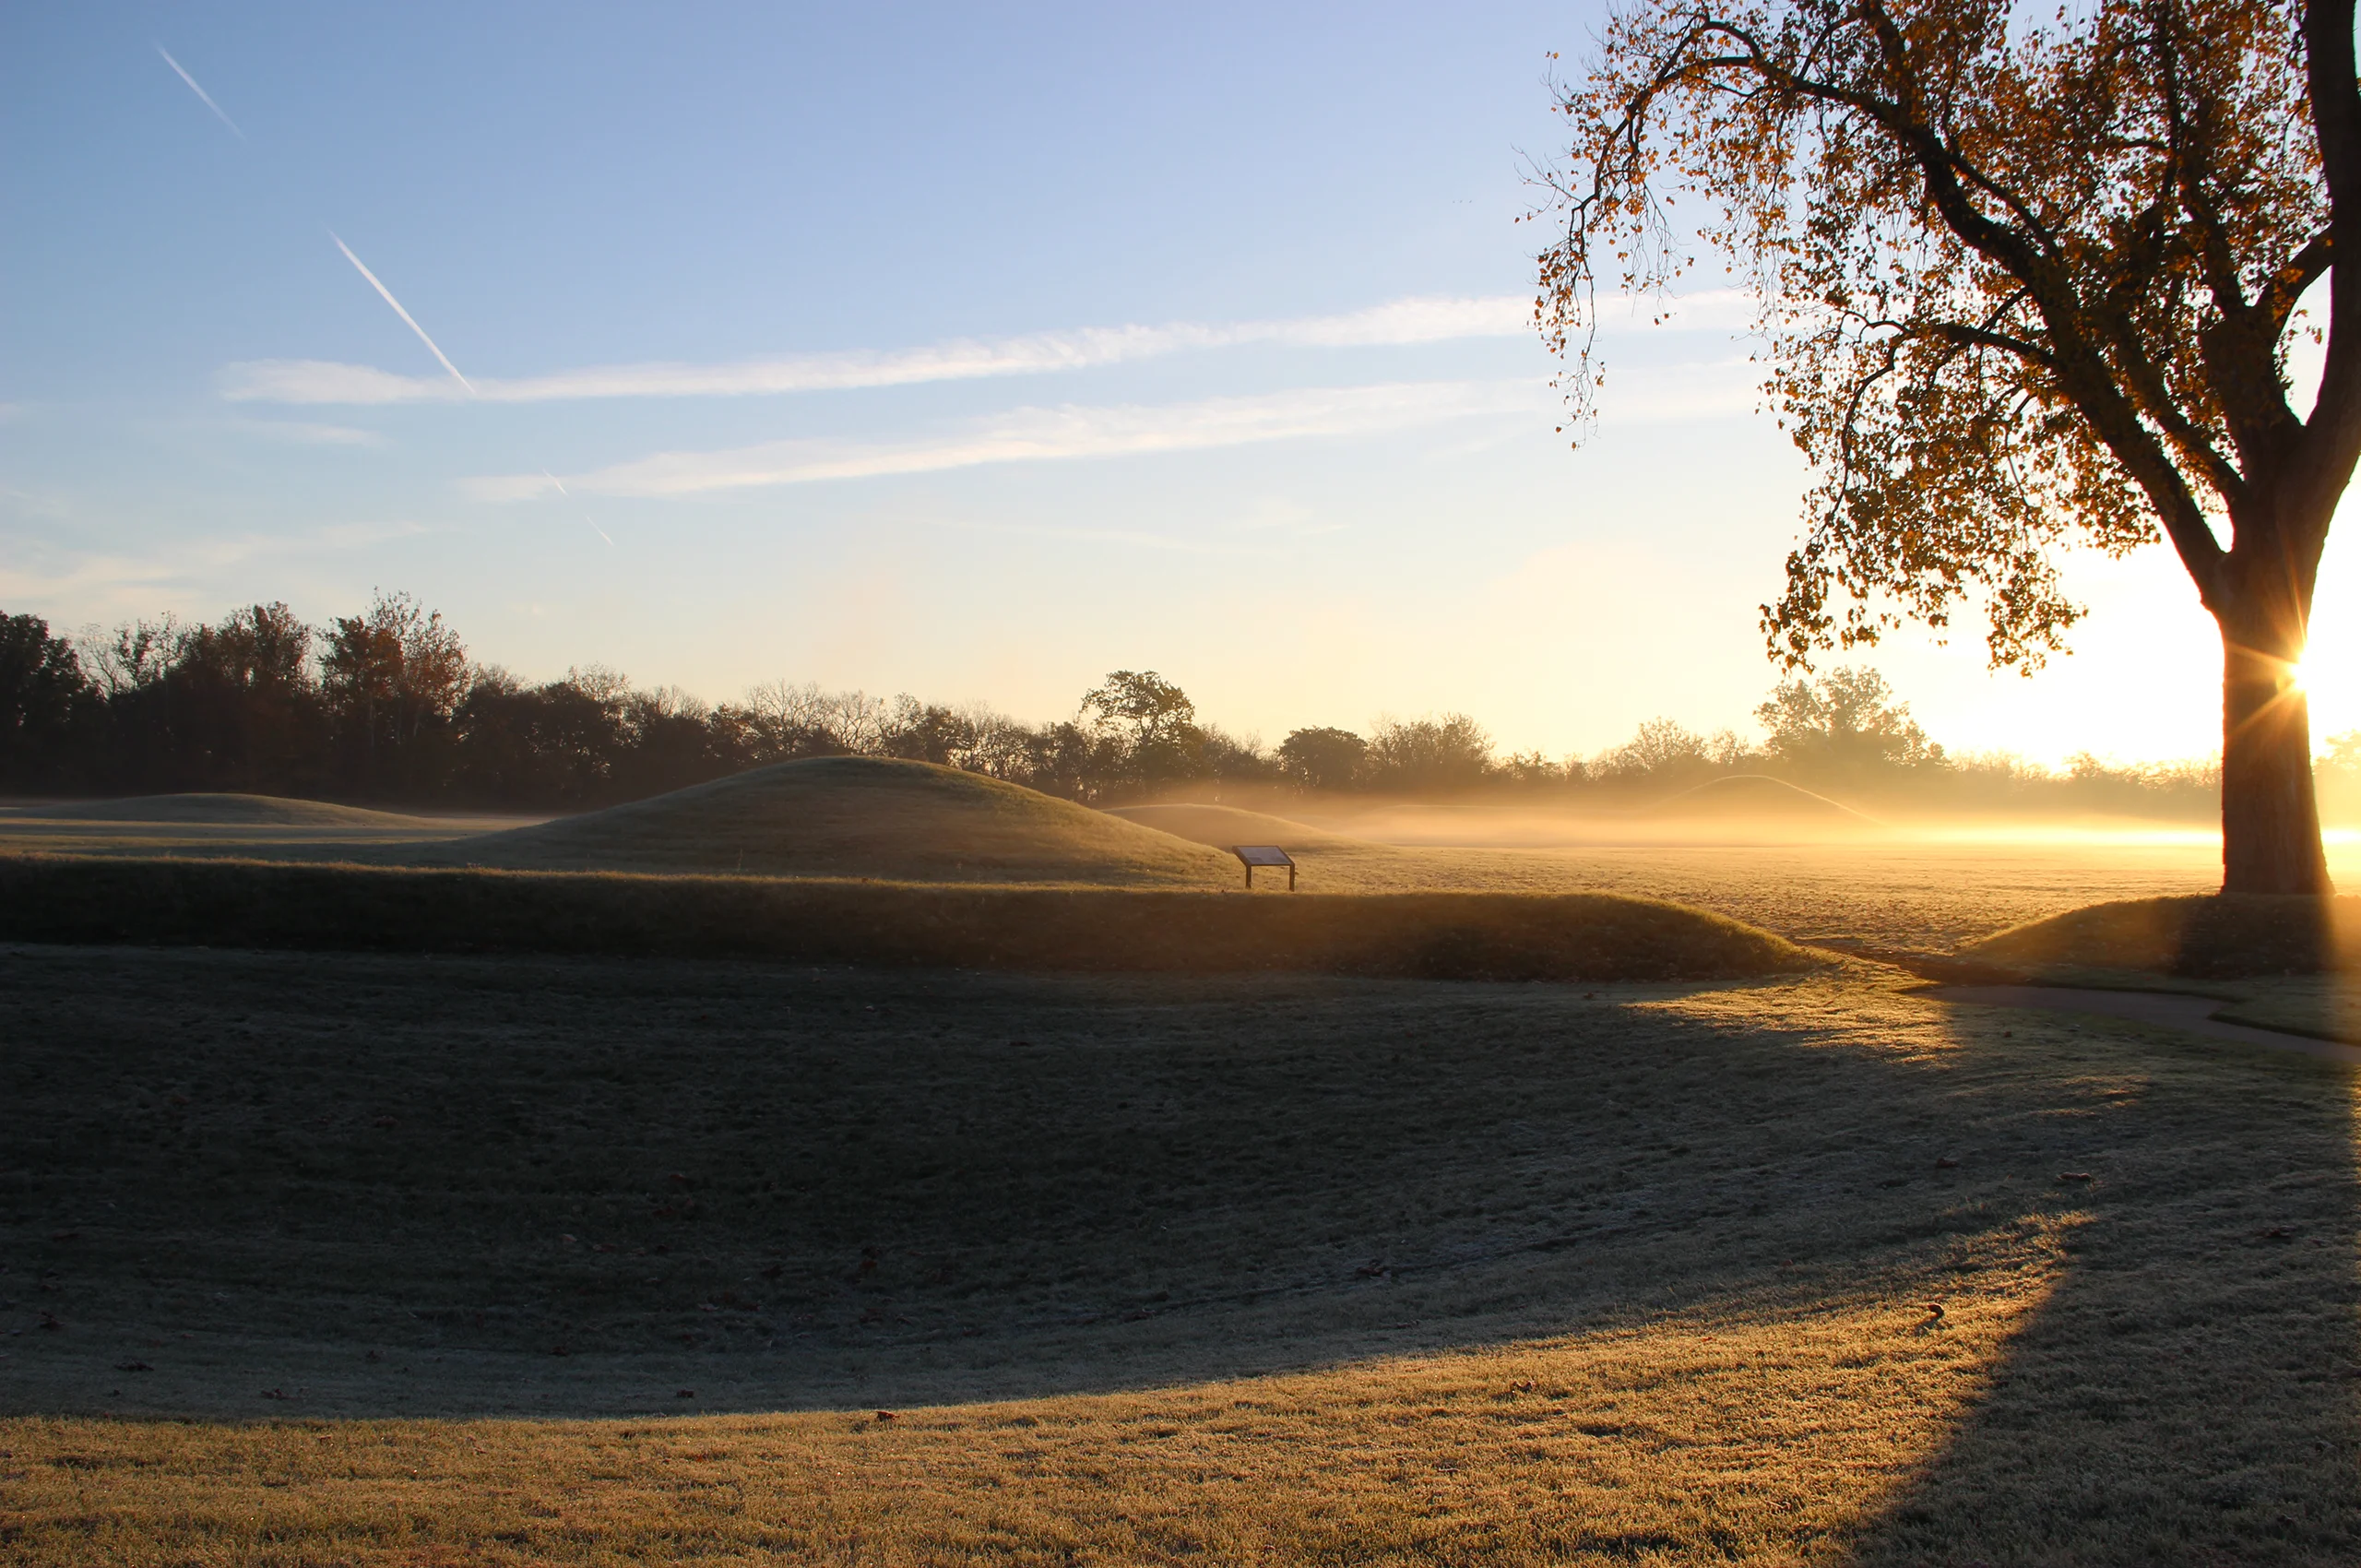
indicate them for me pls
(1150, 1268)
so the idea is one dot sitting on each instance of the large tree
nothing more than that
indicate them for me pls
(2025, 284)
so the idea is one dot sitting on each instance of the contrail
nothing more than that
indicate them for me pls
(200, 92)
(406, 315)
(569, 496)
(363, 267)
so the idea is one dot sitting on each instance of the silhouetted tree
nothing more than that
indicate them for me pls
(1066, 759)
(1152, 723)
(1535, 770)
(43, 688)
(1847, 721)
(927, 732)
(393, 677)
(227, 707)
(1323, 758)
(2026, 282)
(667, 743)
(540, 746)
(1427, 756)
(1660, 752)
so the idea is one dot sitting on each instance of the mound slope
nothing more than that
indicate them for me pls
(2205, 936)
(242, 811)
(855, 817)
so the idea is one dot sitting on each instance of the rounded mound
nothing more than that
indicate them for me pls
(243, 811)
(857, 817)
(1222, 826)
(1756, 795)
(2221, 935)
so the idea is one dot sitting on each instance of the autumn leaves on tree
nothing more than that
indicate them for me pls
(2024, 287)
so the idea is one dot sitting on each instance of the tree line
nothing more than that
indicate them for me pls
(387, 707)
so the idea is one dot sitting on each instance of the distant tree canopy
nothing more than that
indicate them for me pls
(2028, 279)
(42, 685)
(1427, 756)
(1323, 758)
(1848, 721)
(387, 707)
(1149, 722)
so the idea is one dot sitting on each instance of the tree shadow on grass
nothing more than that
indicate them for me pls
(398, 1186)
(2190, 1390)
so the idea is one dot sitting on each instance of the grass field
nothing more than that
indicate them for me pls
(1920, 890)
(312, 1257)
(237, 826)
(1923, 890)
(1151, 1269)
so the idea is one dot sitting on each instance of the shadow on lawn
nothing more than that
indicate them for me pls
(399, 1186)
(2187, 1392)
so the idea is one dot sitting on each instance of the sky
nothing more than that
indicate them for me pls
(972, 352)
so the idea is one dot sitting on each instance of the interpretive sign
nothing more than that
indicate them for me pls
(1252, 855)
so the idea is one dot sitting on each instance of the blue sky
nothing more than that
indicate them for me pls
(969, 352)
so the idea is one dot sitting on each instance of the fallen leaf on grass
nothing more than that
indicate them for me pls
(2074, 1175)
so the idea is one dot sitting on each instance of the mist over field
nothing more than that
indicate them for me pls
(387, 707)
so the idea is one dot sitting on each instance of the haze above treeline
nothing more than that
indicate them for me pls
(387, 707)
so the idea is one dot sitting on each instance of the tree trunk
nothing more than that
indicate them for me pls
(2270, 820)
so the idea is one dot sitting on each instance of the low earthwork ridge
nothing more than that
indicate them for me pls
(1576, 936)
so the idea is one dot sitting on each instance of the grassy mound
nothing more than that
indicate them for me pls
(1577, 936)
(857, 817)
(1758, 795)
(240, 810)
(2213, 936)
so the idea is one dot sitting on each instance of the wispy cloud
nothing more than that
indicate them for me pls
(306, 432)
(219, 113)
(1400, 322)
(1044, 435)
(182, 575)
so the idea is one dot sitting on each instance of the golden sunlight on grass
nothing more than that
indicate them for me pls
(375, 1259)
(1754, 1437)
